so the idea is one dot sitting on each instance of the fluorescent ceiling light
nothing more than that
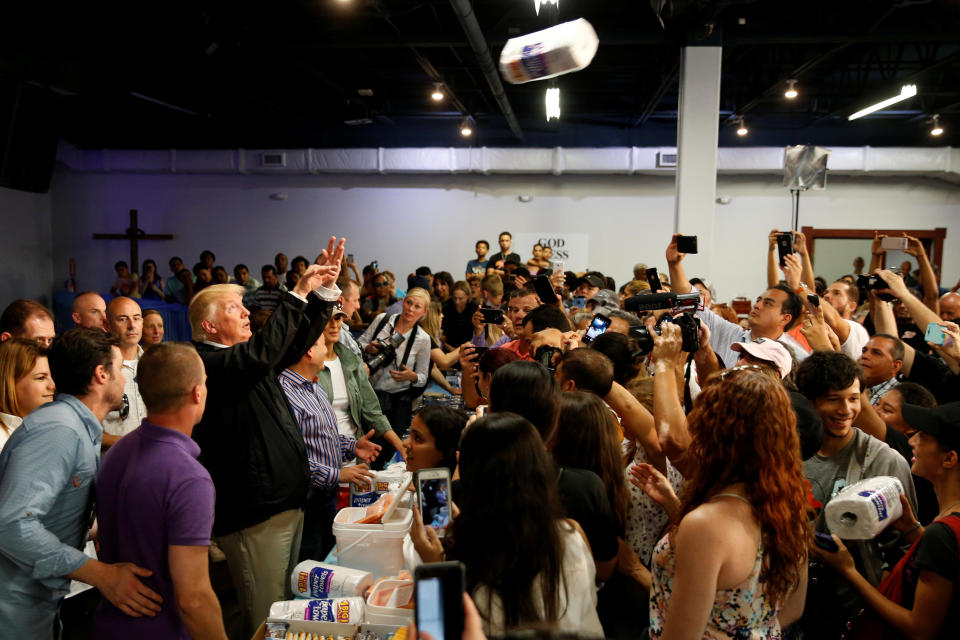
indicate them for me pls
(906, 91)
(552, 100)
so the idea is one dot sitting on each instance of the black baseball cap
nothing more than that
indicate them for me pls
(942, 422)
(594, 280)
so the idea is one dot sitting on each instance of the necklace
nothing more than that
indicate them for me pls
(947, 510)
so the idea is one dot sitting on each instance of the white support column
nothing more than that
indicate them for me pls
(697, 132)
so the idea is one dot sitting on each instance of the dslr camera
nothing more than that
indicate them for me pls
(689, 332)
(873, 282)
(386, 352)
(544, 355)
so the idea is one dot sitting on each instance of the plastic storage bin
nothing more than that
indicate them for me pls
(394, 616)
(377, 548)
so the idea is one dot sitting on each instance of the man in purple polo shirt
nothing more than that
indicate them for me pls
(155, 503)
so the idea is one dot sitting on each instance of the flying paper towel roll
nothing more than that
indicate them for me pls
(863, 509)
(551, 52)
(312, 579)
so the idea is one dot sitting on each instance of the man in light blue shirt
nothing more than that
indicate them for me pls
(47, 470)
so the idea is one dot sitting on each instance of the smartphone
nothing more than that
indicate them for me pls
(653, 279)
(935, 334)
(822, 540)
(541, 284)
(439, 590)
(479, 351)
(579, 302)
(894, 244)
(374, 264)
(784, 245)
(433, 492)
(556, 265)
(492, 316)
(813, 299)
(349, 258)
(687, 244)
(599, 325)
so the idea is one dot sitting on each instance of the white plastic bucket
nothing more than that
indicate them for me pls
(377, 548)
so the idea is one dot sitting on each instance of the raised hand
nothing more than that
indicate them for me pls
(674, 256)
(366, 450)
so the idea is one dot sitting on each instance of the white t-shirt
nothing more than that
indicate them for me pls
(341, 400)
(11, 422)
(112, 423)
(580, 605)
(856, 340)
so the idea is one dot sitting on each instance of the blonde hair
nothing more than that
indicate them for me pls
(18, 357)
(422, 294)
(205, 304)
(431, 321)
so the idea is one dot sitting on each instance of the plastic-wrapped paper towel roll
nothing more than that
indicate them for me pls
(312, 579)
(552, 52)
(862, 510)
(349, 610)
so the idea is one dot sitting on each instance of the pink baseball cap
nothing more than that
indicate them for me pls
(769, 350)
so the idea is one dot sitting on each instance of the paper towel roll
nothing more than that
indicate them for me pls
(349, 610)
(863, 509)
(312, 579)
(551, 52)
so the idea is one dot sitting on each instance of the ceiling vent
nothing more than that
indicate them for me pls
(666, 159)
(273, 159)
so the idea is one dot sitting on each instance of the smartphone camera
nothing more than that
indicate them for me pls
(491, 316)
(599, 325)
(433, 490)
(784, 246)
(813, 299)
(687, 244)
(439, 590)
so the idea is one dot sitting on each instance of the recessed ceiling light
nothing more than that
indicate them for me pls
(791, 91)
(937, 130)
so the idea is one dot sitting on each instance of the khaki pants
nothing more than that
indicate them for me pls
(261, 559)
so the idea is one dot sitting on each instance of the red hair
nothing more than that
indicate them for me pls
(744, 430)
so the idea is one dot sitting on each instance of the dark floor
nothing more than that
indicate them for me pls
(77, 612)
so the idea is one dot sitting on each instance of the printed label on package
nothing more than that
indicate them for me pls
(320, 611)
(320, 582)
(878, 501)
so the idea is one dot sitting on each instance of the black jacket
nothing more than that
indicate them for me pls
(249, 440)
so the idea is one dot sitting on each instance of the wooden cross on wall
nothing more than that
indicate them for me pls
(133, 234)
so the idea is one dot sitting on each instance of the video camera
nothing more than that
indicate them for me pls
(682, 307)
(873, 282)
(386, 352)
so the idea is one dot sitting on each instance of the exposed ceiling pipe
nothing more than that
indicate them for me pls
(478, 43)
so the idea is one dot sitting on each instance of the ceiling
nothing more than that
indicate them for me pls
(284, 74)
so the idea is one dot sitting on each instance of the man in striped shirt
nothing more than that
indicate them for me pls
(327, 450)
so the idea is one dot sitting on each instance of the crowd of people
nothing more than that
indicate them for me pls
(663, 476)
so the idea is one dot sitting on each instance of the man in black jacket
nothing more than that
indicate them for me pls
(249, 439)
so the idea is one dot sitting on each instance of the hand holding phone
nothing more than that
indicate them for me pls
(894, 244)
(433, 492)
(784, 246)
(597, 328)
(491, 316)
(687, 244)
(935, 334)
(439, 588)
(825, 541)
(544, 289)
(653, 279)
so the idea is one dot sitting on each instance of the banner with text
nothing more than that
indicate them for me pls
(573, 249)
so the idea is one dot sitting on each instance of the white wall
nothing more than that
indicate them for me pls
(407, 221)
(25, 247)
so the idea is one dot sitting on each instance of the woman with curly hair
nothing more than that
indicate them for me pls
(734, 566)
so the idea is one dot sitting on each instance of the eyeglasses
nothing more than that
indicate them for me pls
(380, 284)
(124, 407)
